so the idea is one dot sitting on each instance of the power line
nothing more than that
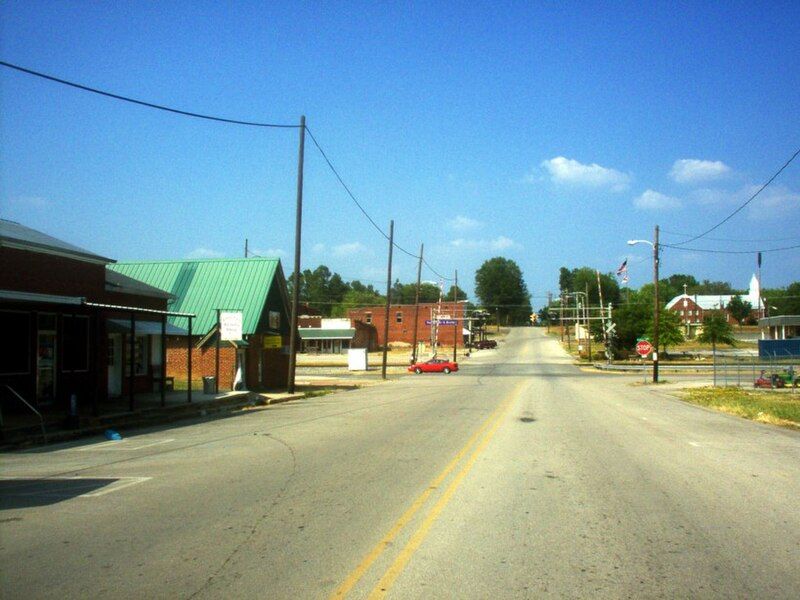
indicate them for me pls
(753, 241)
(220, 120)
(748, 201)
(178, 111)
(677, 247)
(363, 210)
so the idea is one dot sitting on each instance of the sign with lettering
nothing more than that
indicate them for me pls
(230, 325)
(271, 342)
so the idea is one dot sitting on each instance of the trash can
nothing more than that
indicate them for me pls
(209, 385)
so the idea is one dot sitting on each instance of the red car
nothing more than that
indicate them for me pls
(434, 365)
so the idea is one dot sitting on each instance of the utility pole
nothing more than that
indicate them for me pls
(656, 308)
(561, 316)
(388, 300)
(455, 316)
(296, 275)
(416, 305)
(245, 247)
(549, 302)
(602, 313)
(588, 327)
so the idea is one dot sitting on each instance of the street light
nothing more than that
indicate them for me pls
(654, 244)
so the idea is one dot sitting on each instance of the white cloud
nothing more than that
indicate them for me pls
(710, 196)
(774, 201)
(462, 223)
(693, 170)
(499, 243)
(570, 171)
(348, 249)
(204, 253)
(652, 200)
(269, 252)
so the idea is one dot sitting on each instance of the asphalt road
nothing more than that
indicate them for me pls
(518, 477)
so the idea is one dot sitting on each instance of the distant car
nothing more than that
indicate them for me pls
(434, 365)
(483, 344)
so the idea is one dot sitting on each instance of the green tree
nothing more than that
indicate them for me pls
(716, 330)
(714, 287)
(499, 285)
(783, 301)
(461, 295)
(670, 329)
(565, 283)
(631, 320)
(739, 309)
(356, 299)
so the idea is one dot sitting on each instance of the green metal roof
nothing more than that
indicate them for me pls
(317, 333)
(203, 286)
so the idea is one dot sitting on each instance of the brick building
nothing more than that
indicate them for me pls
(66, 323)
(401, 322)
(320, 335)
(692, 308)
(254, 287)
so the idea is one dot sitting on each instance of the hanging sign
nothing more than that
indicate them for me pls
(230, 325)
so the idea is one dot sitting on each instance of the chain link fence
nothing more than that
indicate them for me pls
(771, 372)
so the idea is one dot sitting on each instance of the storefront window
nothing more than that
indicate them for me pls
(140, 355)
(16, 347)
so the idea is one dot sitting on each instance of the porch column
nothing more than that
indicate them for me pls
(132, 361)
(163, 360)
(189, 365)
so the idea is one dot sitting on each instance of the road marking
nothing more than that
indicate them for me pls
(119, 445)
(419, 536)
(404, 519)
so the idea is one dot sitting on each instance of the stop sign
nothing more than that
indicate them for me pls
(643, 347)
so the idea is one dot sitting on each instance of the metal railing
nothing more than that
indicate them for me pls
(36, 412)
(768, 371)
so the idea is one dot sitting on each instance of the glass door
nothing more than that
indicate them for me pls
(46, 360)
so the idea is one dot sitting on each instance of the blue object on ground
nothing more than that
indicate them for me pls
(112, 435)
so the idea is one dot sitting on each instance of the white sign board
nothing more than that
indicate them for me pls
(357, 359)
(230, 325)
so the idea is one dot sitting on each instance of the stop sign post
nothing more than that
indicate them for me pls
(643, 348)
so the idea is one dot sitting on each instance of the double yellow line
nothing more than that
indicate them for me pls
(482, 436)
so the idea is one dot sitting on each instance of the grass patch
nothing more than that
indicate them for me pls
(775, 408)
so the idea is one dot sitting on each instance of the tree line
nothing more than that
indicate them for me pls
(499, 286)
(633, 308)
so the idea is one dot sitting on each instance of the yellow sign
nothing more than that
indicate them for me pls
(272, 341)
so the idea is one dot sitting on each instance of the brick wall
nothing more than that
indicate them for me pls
(203, 362)
(402, 329)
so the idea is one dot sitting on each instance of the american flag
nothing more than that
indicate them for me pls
(623, 268)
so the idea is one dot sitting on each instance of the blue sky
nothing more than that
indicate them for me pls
(548, 133)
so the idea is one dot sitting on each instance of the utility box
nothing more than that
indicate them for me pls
(209, 385)
(357, 359)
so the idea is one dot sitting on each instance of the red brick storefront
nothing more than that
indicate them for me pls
(401, 322)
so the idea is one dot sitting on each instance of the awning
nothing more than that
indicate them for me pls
(317, 333)
(143, 327)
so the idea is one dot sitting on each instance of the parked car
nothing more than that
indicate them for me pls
(483, 344)
(434, 365)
